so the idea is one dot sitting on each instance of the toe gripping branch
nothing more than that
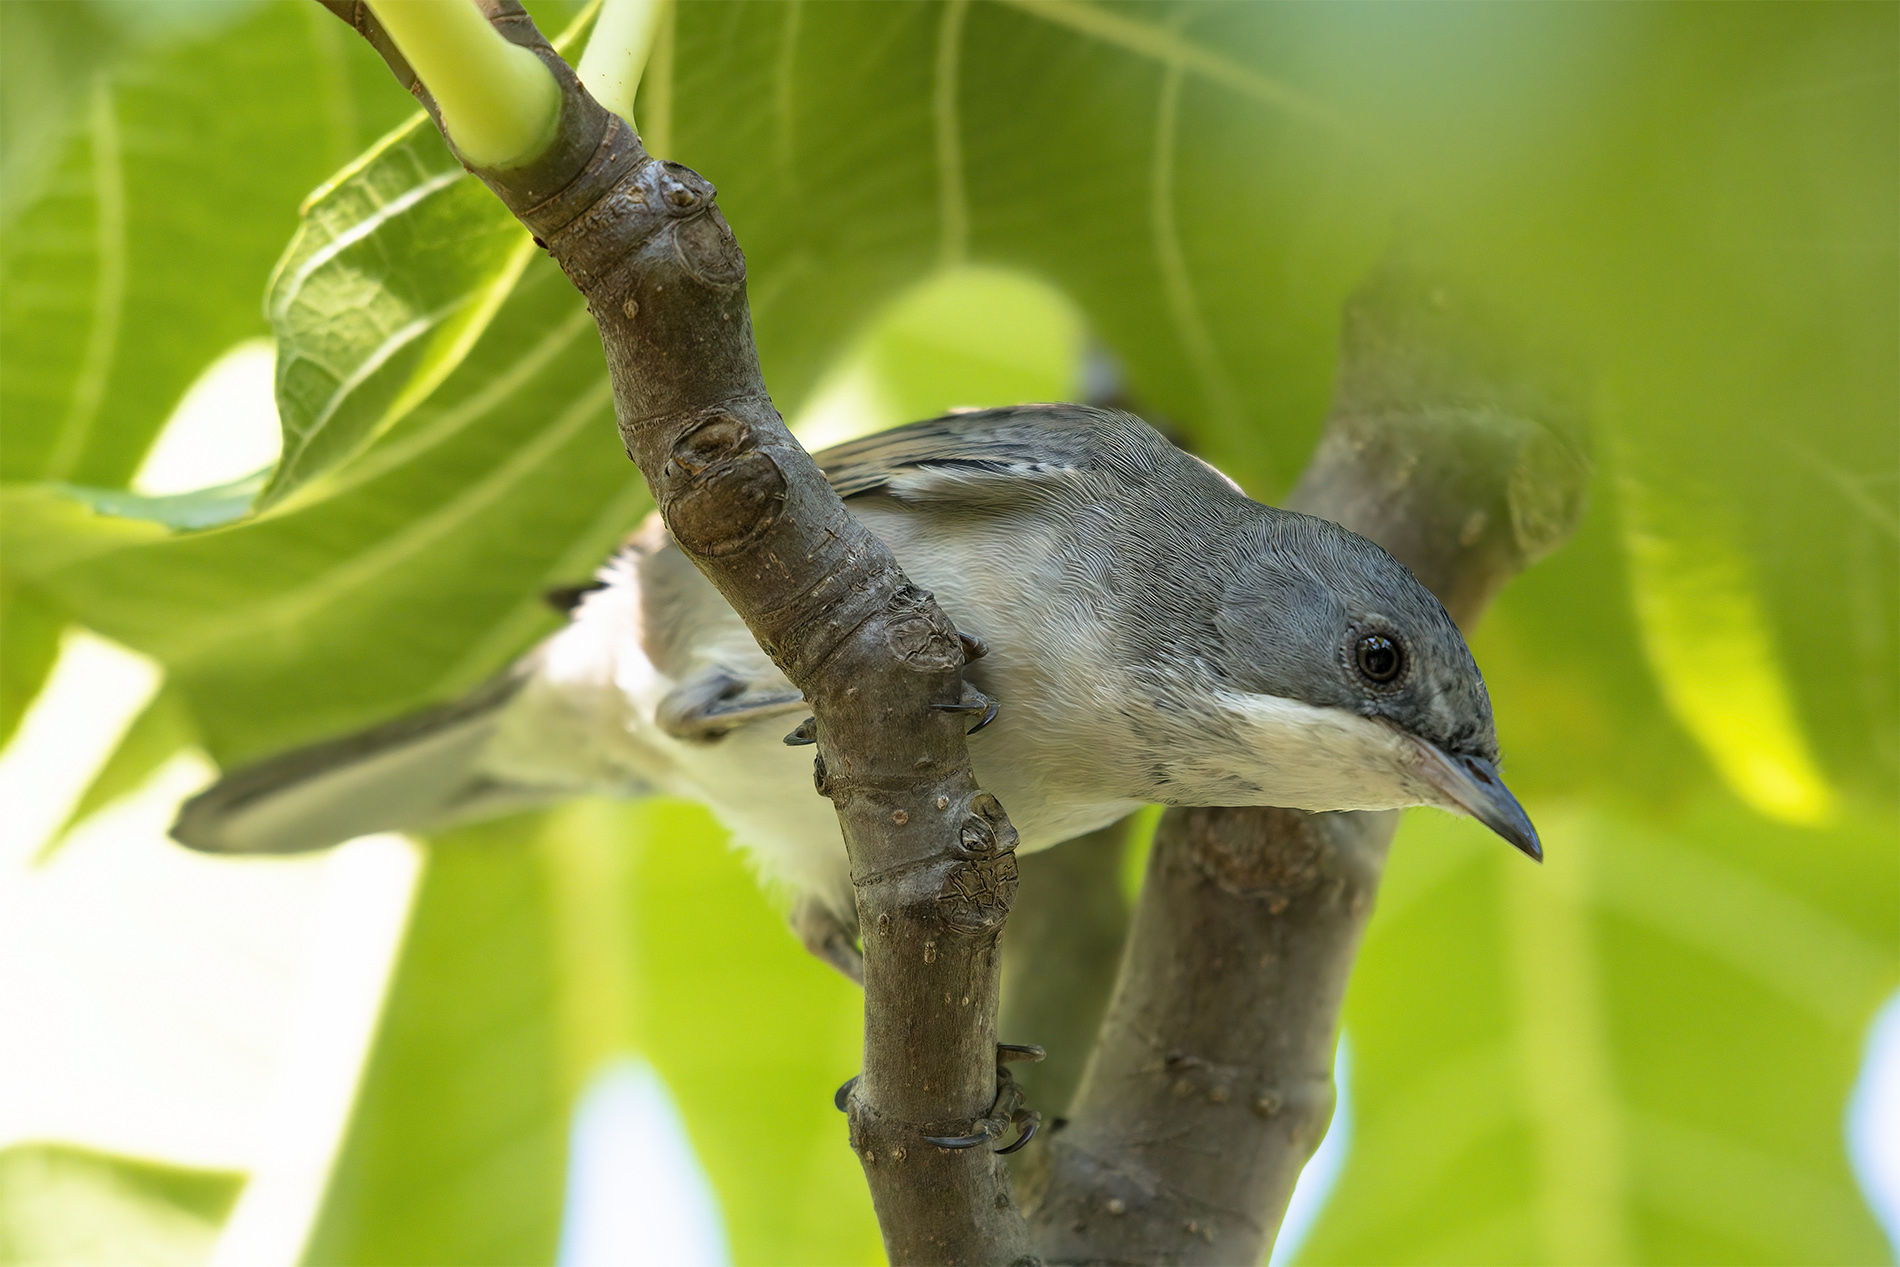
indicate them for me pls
(1006, 1110)
(973, 701)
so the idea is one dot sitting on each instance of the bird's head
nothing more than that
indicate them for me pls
(1354, 685)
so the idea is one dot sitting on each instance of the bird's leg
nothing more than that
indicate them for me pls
(973, 701)
(829, 936)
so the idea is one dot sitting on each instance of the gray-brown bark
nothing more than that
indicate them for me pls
(1059, 956)
(932, 856)
(1461, 452)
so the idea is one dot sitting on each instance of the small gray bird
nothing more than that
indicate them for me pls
(1150, 633)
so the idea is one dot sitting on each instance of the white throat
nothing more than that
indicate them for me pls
(1287, 753)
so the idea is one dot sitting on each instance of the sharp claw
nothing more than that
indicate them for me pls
(843, 1093)
(981, 703)
(1029, 1123)
(1007, 1110)
(974, 648)
(807, 733)
(956, 1141)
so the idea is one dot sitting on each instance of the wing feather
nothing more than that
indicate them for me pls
(980, 455)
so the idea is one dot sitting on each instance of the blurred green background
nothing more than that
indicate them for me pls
(1639, 1053)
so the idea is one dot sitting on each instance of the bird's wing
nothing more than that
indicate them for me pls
(988, 460)
(980, 456)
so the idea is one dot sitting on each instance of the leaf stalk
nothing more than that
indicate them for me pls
(497, 101)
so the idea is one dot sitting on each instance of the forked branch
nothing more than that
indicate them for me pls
(1462, 453)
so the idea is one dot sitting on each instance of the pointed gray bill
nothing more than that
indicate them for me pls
(1472, 785)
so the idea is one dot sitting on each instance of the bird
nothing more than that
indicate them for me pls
(1139, 631)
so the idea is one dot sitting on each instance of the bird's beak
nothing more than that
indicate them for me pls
(1473, 786)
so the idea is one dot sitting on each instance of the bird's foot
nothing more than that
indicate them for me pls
(1005, 1112)
(828, 936)
(973, 701)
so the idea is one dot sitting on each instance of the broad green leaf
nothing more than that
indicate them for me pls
(398, 266)
(905, 137)
(454, 1152)
(1569, 1064)
(961, 336)
(44, 529)
(359, 343)
(418, 575)
(976, 334)
(1708, 640)
(1208, 181)
(766, 1043)
(155, 735)
(53, 53)
(205, 508)
(71, 1205)
(539, 948)
(29, 643)
(177, 175)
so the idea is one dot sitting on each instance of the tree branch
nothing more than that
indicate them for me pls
(932, 856)
(1462, 453)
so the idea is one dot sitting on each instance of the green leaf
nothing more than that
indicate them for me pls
(455, 1150)
(1554, 1065)
(44, 529)
(421, 570)
(906, 137)
(205, 508)
(960, 336)
(142, 254)
(71, 1205)
(398, 267)
(1697, 202)
(1703, 624)
(29, 644)
(159, 731)
(769, 1043)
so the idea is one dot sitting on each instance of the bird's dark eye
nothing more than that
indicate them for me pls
(1379, 657)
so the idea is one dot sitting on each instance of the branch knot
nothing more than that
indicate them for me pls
(723, 490)
(977, 891)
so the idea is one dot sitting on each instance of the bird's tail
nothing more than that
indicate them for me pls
(417, 772)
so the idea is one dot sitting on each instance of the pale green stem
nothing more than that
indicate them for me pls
(499, 103)
(617, 51)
